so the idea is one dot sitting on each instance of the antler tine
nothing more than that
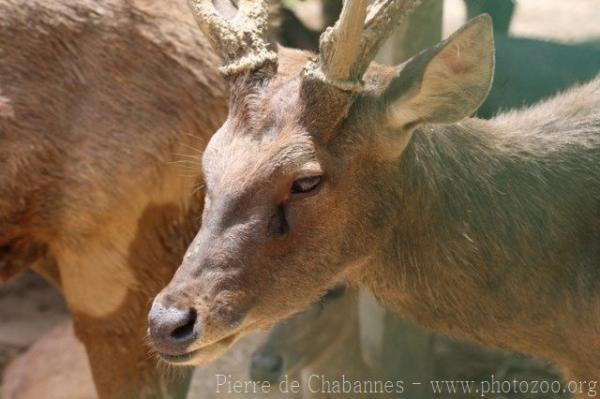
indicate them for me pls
(347, 49)
(242, 40)
(339, 45)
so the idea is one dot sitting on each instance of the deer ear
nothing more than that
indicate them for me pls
(447, 82)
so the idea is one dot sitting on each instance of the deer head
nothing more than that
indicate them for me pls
(295, 174)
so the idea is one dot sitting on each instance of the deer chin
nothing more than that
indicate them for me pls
(203, 355)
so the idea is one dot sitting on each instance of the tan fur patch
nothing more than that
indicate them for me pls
(109, 247)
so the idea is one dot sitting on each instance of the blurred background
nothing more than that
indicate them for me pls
(543, 47)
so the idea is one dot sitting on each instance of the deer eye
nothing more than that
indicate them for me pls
(306, 185)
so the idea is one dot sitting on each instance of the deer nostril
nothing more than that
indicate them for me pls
(185, 331)
(172, 329)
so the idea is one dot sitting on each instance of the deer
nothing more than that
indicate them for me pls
(103, 108)
(319, 347)
(107, 225)
(329, 166)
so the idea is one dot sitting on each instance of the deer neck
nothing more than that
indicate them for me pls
(474, 229)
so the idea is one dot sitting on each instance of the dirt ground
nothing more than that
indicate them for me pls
(29, 307)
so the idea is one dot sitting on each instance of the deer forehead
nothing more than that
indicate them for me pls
(282, 152)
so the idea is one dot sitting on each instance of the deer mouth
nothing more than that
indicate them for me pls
(204, 354)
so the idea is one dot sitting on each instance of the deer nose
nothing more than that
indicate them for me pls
(172, 329)
(266, 367)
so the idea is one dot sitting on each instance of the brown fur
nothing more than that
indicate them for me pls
(100, 103)
(480, 230)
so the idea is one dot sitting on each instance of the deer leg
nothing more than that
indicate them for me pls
(109, 301)
(109, 282)
(121, 364)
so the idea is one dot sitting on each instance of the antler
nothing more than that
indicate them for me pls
(347, 48)
(241, 40)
